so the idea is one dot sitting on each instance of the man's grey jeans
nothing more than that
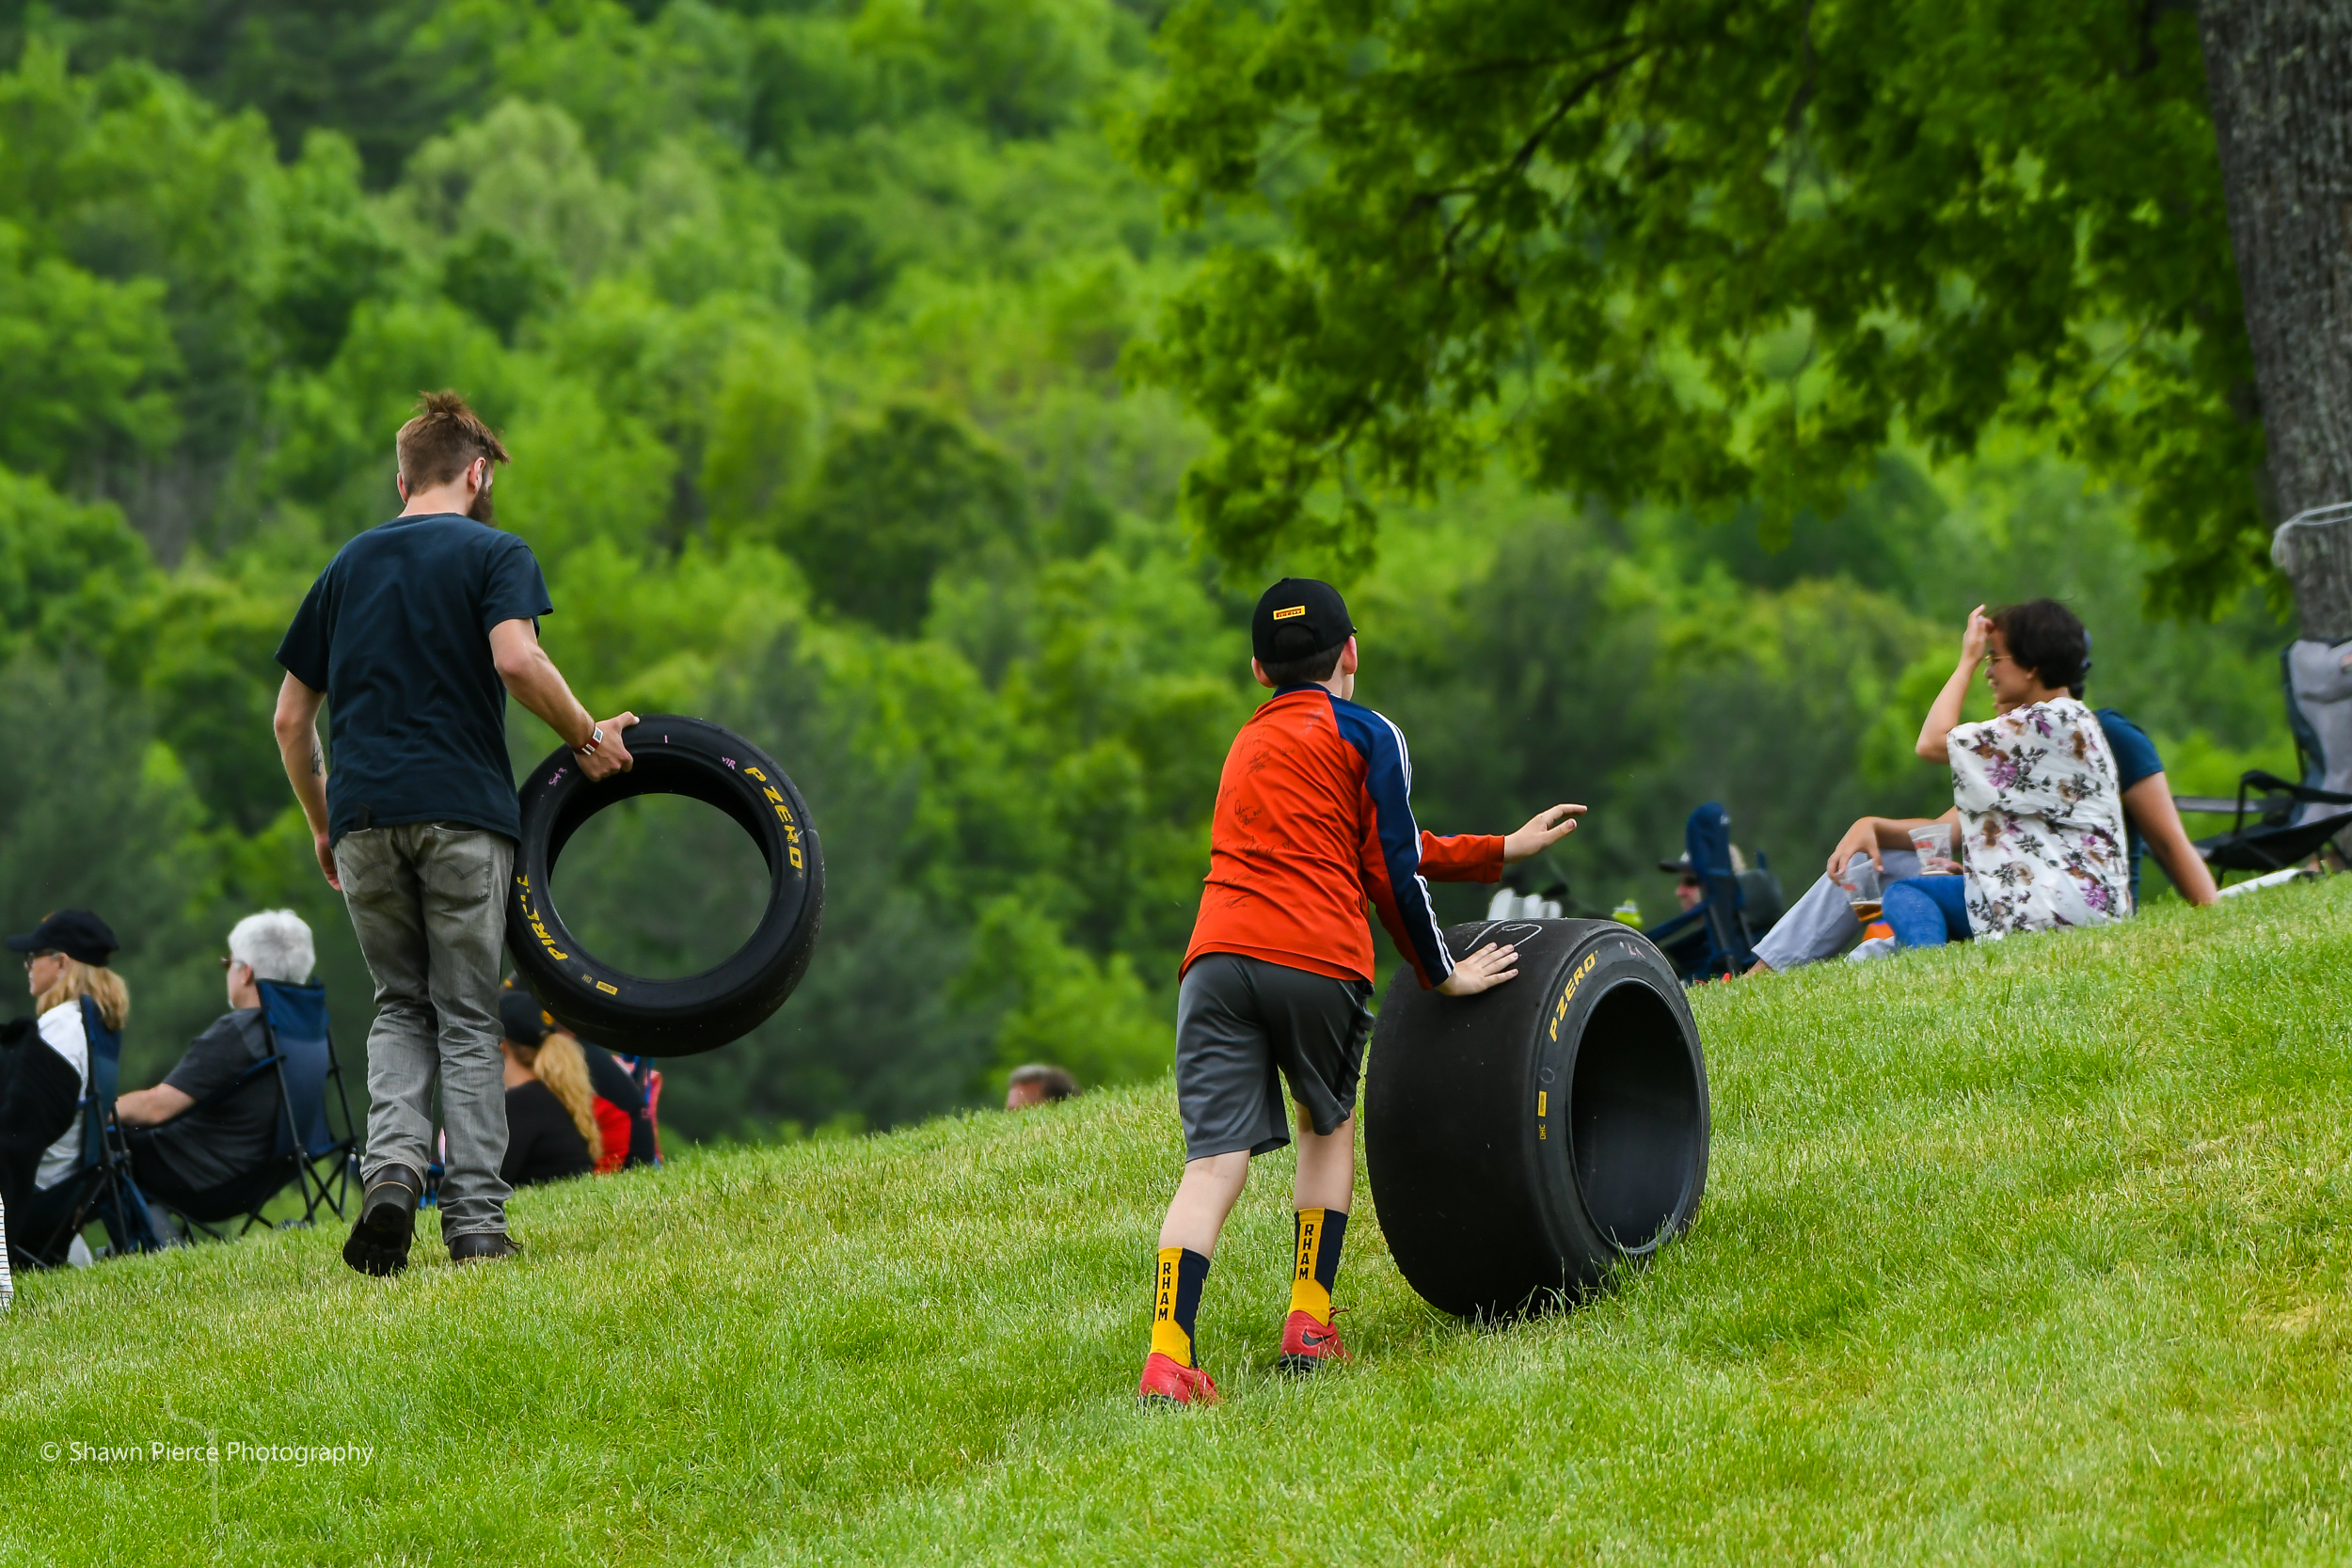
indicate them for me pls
(428, 900)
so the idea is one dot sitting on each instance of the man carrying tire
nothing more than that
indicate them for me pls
(413, 637)
(1312, 821)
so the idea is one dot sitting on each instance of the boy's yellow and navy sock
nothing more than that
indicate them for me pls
(1316, 1247)
(1176, 1302)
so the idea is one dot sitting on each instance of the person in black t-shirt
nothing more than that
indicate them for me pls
(413, 638)
(2152, 824)
(547, 1137)
(184, 1143)
(621, 1112)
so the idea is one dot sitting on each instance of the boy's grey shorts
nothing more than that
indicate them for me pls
(1243, 1026)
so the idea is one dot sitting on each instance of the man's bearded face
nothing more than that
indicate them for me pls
(480, 510)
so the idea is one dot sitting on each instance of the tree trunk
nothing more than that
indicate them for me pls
(2278, 73)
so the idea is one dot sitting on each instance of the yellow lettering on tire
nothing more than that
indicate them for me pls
(1566, 996)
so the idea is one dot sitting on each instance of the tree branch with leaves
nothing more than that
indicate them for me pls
(1709, 253)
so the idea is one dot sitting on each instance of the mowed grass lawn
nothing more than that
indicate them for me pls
(2022, 1252)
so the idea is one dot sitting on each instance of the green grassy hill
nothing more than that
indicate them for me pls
(2024, 1252)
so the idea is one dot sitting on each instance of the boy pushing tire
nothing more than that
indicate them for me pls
(1312, 819)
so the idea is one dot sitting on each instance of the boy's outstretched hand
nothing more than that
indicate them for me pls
(1483, 970)
(1544, 829)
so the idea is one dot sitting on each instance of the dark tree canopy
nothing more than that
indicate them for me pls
(896, 500)
(381, 73)
(1707, 251)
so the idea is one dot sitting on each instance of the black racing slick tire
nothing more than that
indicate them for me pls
(628, 1013)
(1526, 1142)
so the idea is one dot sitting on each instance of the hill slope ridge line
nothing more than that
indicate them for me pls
(2018, 1251)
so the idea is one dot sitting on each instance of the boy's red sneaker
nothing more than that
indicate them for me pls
(1166, 1383)
(1306, 1344)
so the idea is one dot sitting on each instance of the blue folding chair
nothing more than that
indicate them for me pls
(1707, 838)
(309, 1153)
(306, 1066)
(1717, 935)
(109, 1196)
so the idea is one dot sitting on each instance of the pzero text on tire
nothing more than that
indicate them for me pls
(675, 755)
(1526, 1141)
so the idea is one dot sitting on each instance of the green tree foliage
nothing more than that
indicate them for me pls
(70, 574)
(1707, 252)
(805, 326)
(83, 367)
(897, 500)
(377, 74)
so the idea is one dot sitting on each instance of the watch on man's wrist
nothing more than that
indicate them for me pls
(595, 738)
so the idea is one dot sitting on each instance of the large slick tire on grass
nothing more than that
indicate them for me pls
(1527, 1141)
(668, 1017)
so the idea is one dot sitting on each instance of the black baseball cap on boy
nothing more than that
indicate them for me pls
(1298, 617)
(77, 933)
(520, 1019)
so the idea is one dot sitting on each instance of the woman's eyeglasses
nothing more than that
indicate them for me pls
(32, 958)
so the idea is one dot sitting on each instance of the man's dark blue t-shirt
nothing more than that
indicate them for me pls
(2134, 759)
(396, 631)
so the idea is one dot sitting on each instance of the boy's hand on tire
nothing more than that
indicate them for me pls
(612, 756)
(1483, 970)
(1544, 829)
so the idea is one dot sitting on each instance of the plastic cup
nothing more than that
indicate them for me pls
(1859, 882)
(1934, 844)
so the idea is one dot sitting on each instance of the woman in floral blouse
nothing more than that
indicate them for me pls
(2039, 808)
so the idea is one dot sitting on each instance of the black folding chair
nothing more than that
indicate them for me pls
(309, 1153)
(2274, 840)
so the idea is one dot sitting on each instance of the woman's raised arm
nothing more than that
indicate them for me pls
(1945, 712)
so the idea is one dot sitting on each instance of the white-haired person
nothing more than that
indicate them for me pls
(44, 1072)
(184, 1143)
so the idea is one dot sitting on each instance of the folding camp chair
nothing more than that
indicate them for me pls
(2275, 840)
(326, 1160)
(107, 1195)
(2291, 823)
(2310, 754)
(1717, 935)
(309, 1155)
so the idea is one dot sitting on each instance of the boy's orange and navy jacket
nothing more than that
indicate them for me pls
(1312, 819)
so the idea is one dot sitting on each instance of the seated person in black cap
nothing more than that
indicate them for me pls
(184, 1144)
(550, 1122)
(44, 1072)
(618, 1099)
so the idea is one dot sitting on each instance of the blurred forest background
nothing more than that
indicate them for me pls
(806, 323)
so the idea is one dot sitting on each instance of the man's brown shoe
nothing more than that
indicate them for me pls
(482, 1246)
(388, 1221)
